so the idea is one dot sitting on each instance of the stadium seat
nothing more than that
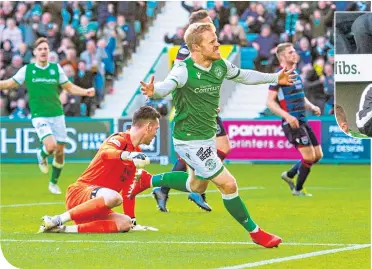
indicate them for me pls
(248, 55)
(210, 4)
(251, 37)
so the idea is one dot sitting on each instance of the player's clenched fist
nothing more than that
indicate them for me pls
(139, 159)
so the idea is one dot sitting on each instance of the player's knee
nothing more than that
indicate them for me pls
(230, 187)
(319, 156)
(124, 224)
(113, 200)
(51, 147)
(309, 159)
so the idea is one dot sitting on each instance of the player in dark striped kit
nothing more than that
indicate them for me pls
(292, 108)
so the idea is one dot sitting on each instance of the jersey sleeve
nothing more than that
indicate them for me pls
(20, 76)
(62, 75)
(177, 78)
(117, 142)
(183, 53)
(232, 70)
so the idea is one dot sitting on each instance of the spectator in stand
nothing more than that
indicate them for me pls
(313, 87)
(21, 111)
(3, 106)
(17, 63)
(227, 36)
(53, 57)
(85, 78)
(238, 30)
(280, 17)
(129, 42)
(304, 52)
(223, 13)
(7, 49)
(327, 10)
(64, 45)
(70, 59)
(249, 13)
(7, 9)
(12, 33)
(42, 28)
(71, 103)
(77, 39)
(265, 44)
(261, 17)
(2, 27)
(320, 49)
(195, 7)
(329, 88)
(93, 57)
(86, 29)
(53, 36)
(25, 53)
(216, 22)
(141, 7)
(177, 38)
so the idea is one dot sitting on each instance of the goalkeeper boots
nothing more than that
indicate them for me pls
(265, 239)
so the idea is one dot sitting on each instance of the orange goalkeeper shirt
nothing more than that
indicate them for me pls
(107, 169)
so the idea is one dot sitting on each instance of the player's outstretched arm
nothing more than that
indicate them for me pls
(177, 78)
(251, 77)
(76, 90)
(8, 84)
(312, 107)
(277, 110)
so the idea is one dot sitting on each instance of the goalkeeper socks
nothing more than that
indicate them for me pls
(294, 170)
(56, 172)
(174, 180)
(302, 174)
(98, 226)
(88, 209)
(178, 166)
(128, 204)
(237, 209)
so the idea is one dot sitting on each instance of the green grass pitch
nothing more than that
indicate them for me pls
(329, 230)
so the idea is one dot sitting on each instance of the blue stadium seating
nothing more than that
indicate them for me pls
(247, 57)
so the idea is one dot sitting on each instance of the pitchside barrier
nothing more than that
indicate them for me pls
(252, 141)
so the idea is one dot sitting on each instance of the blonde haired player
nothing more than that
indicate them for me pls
(42, 80)
(195, 85)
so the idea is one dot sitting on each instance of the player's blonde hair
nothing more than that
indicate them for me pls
(340, 114)
(39, 41)
(194, 33)
(282, 47)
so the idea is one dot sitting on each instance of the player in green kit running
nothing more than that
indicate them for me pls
(195, 85)
(42, 80)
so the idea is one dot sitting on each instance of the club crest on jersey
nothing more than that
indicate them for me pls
(33, 71)
(305, 140)
(210, 164)
(218, 71)
(115, 141)
(52, 72)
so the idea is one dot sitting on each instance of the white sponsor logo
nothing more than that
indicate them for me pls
(44, 80)
(206, 89)
(255, 130)
(115, 141)
(52, 72)
(198, 75)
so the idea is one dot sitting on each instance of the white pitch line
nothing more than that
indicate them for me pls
(296, 257)
(170, 242)
(138, 196)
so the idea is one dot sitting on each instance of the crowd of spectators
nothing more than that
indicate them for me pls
(263, 25)
(92, 41)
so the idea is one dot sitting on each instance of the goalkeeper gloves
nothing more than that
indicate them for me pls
(139, 159)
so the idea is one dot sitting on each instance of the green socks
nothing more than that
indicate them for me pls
(237, 209)
(56, 172)
(174, 180)
(43, 152)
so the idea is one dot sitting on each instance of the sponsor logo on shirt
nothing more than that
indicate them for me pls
(198, 75)
(44, 80)
(207, 89)
(115, 141)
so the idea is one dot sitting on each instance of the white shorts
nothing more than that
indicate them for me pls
(201, 156)
(47, 126)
